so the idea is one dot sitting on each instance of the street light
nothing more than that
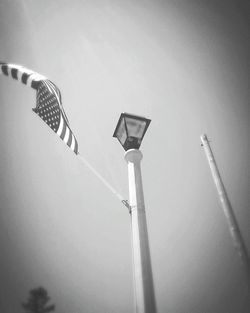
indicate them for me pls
(130, 131)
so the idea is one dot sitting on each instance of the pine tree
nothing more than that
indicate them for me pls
(38, 302)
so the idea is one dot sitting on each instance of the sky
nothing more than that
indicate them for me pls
(183, 64)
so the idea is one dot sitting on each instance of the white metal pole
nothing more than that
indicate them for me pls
(143, 278)
(228, 210)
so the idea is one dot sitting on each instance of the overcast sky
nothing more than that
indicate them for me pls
(183, 64)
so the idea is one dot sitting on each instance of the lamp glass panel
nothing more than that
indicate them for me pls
(121, 132)
(135, 127)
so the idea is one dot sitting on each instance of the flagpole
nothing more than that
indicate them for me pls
(227, 209)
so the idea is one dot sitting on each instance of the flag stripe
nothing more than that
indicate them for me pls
(72, 144)
(70, 139)
(60, 128)
(62, 135)
(5, 70)
(75, 145)
(33, 84)
(66, 136)
(14, 73)
(24, 78)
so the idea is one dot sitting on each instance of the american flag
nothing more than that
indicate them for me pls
(48, 101)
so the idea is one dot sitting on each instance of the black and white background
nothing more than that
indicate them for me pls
(185, 65)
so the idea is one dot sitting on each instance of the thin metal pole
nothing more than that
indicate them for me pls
(143, 278)
(228, 210)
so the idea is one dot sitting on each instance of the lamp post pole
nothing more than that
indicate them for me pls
(143, 278)
(130, 131)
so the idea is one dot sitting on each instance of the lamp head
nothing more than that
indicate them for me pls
(130, 130)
